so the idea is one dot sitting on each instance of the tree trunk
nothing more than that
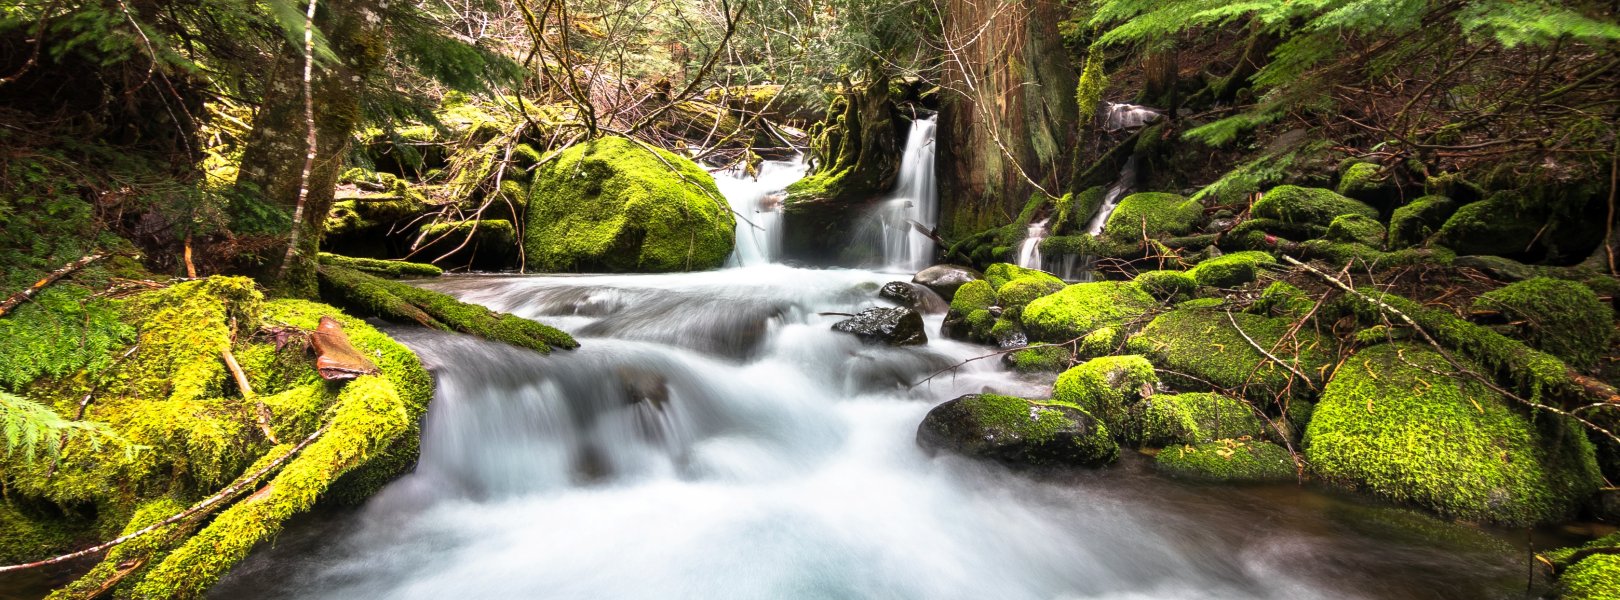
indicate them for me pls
(273, 161)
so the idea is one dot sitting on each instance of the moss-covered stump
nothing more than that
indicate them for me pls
(1228, 460)
(1200, 347)
(1562, 318)
(1231, 270)
(1107, 387)
(1195, 418)
(391, 269)
(614, 205)
(1018, 431)
(1394, 424)
(396, 301)
(1082, 308)
(1413, 223)
(1153, 214)
(1293, 204)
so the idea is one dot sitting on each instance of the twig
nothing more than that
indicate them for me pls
(18, 298)
(1273, 358)
(262, 412)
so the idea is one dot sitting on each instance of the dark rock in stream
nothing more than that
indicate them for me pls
(1019, 431)
(913, 296)
(945, 279)
(892, 326)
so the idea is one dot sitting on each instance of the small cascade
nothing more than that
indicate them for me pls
(899, 228)
(756, 201)
(1121, 187)
(1117, 117)
(1029, 253)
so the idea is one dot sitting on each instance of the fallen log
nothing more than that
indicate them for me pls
(337, 359)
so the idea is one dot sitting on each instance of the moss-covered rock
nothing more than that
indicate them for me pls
(1041, 358)
(1495, 226)
(1393, 424)
(1282, 299)
(1230, 460)
(1595, 577)
(1231, 270)
(969, 317)
(1562, 318)
(1360, 229)
(1359, 180)
(1157, 213)
(1364, 256)
(1199, 347)
(1274, 227)
(392, 269)
(1082, 308)
(1195, 418)
(1017, 430)
(1018, 293)
(1413, 223)
(1001, 274)
(1167, 285)
(1106, 387)
(1293, 204)
(612, 204)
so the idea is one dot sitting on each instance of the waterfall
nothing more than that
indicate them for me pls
(756, 201)
(1117, 192)
(1029, 252)
(898, 228)
(1117, 117)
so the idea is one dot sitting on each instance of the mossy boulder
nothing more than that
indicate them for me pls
(1167, 285)
(1041, 358)
(1199, 346)
(969, 317)
(1360, 180)
(1562, 318)
(1231, 270)
(1294, 204)
(1282, 299)
(1228, 460)
(1393, 424)
(1596, 577)
(1194, 418)
(1018, 293)
(1000, 274)
(391, 269)
(1157, 213)
(1082, 308)
(1360, 229)
(1107, 387)
(614, 205)
(1494, 226)
(1413, 223)
(1017, 430)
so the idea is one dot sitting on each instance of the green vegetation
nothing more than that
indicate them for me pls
(1107, 387)
(1230, 460)
(1294, 204)
(1082, 308)
(1417, 220)
(408, 304)
(1170, 419)
(1230, 270)
(392, 269)
(1153, 213)
(1042, 358)
(1357, 229)
(1562, 318)
(1201, 348)
(1167, 285)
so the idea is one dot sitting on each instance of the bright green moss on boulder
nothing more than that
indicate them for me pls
(1166, 285)
(1001, 274)
(1410, 225)
(1082, 308)
(1491, 227)
(392, 269)
(1017, 430)
(1359, 180)
(1106, 387)
(1229, 460)
(1356, 228)
(1231, 270)
(1281, 299)
(969, 317)
(1294, 204)
(1202, 343)
(1018, 293)
(614, 205)
(1596, 577)
(1392, 424)
(1195, 418)
(1559, 317)
(1157, 213)
(1043, 358)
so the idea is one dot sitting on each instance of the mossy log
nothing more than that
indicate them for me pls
(404, 303)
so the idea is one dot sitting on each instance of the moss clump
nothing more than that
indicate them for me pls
(183, 329)
(1043, 358)
(1157, 213)
(1201, 342)
(1360, 229)
(1001, 274)
(392, 269)
(400, 302)
(615, 205)
(1231, 270)
(25, 537)
(1018, 293)
(1595, 577)
(1294, 204)
(1393, 424)
(1562, 318)
(1281, 299)
(1196, 418)
(1106, 387)
(1018, 430)
(1360, 180)
(1230, 460)
(1262, 227)
(1494, 226)
(1410, 225)
(1167, 285)
(62, 331)
(1101, 342)
(969, 317)
(1082, 308)
(1362, 255)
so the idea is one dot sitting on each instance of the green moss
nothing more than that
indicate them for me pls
(615, 205)
(1562, 318)
(1229, 460)
(1040, 359)
(400, 302)
(1038, 432)
(25, 537)
(1413, 223)
(1000, 274)
(1363, 256)
(1158, 213)
(490, 232)
(1082, 308)
(1023, 417)
(1393, 424)
(1018, 293)
(60, 332)
(1494, 226)
(974, 295)
(1293, 204)
(1281, 299)
(1106, 387)
(1357, 228)
(1595, 577)
(392, 269)
(1275, 227)
(182, 331)
(1200, 347)
(1231, 270)
(1167, 285)
(1359, 180)
(1101, 342)
(1171, 419)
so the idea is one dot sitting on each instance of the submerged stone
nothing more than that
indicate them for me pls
(1017, 430)
(892, 326)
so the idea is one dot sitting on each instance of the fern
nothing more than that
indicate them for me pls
(28, 427)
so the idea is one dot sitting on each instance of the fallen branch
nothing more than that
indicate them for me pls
(262, 412)
(50, 278)
(1268, 355)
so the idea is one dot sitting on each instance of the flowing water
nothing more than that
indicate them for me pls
(1029, 252)
(899, 229)
(757, 203)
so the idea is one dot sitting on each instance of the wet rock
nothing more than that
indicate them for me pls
(945, 279)
(913, 296)
(892, 326)
(1016, 430)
